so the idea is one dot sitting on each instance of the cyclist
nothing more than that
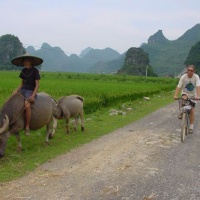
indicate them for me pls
(189, 83)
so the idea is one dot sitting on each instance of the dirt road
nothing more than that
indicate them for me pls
(143, 159)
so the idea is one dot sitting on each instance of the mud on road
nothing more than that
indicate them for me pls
(144, 160)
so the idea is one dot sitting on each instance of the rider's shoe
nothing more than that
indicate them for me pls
(190, 131)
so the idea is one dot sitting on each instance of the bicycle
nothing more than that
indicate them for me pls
(185, 105)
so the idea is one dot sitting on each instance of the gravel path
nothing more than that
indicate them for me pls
(144, 160)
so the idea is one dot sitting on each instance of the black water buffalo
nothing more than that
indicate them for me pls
(12, 117)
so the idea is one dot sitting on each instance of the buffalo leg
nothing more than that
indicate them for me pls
(19, 144)
(67, 126)
(48, 132)
(55, 124)
(82, 121)
(75, 123)
(3, 142)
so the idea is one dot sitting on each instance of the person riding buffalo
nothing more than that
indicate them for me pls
(29, 85)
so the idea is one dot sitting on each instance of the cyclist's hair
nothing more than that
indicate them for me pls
(190, 65)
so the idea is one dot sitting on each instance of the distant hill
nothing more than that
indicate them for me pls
(76, 65)
(167, 57)
(136, 63)
(97, 56)
(108, 67)
(194, 57)
(56, 60)
(10, 47)
(85, 51)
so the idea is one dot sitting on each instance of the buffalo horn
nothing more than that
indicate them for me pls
(5, 124)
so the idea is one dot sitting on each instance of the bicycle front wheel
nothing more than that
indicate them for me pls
(183, 127)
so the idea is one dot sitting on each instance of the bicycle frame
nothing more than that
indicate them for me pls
(185, 107)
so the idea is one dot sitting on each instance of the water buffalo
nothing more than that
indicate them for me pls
(12, 117)
(69, 107)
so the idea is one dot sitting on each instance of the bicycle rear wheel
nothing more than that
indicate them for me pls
(183, 127)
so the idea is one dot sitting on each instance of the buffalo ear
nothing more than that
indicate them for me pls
(5, 124)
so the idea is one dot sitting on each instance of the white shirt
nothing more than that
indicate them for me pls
(188, 85)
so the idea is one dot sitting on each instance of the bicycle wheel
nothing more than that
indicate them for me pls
(183, 127)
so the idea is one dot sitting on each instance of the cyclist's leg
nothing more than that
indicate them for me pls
(184, 97)
(191, 120)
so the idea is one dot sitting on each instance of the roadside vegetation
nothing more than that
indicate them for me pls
(110, 102)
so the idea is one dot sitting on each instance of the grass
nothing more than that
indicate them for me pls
(97, 124)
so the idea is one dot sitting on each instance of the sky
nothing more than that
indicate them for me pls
(74, 25)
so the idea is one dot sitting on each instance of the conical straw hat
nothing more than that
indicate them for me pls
(19, 61)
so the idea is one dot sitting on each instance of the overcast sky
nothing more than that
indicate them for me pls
(74, 25)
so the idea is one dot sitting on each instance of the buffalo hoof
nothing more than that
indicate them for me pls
(1, 156)
(46, 144)
(82, 128)
(50, 136)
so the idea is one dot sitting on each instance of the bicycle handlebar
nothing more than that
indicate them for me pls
(194, 99)
(191, 101)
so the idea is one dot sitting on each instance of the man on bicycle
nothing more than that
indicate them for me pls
(189, 83)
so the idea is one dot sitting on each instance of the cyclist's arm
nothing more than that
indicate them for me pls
(197, 87)
(176, 93)
(179, 86)
(198, 92)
